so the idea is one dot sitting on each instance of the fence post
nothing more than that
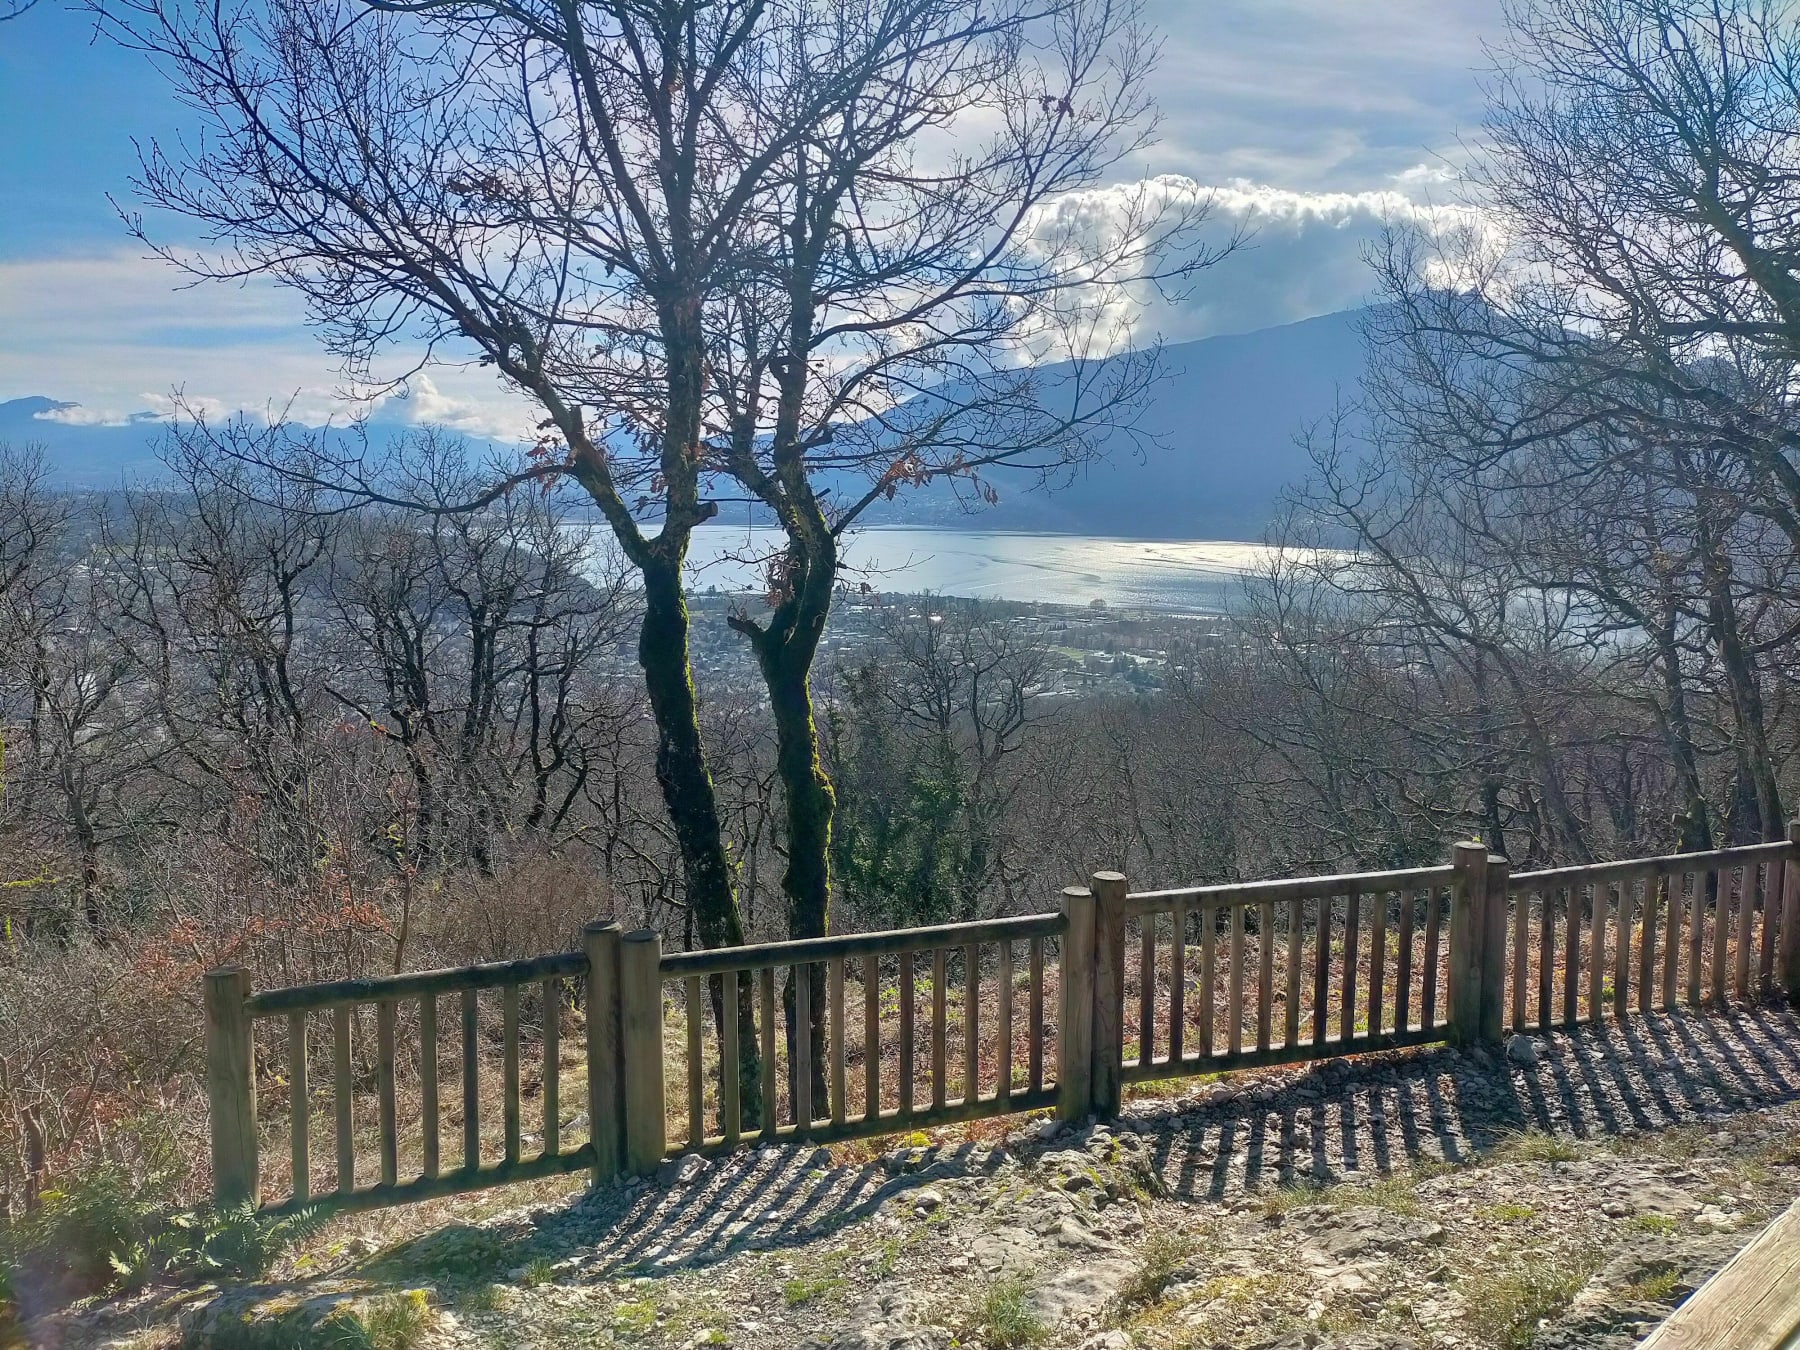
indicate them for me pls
(1075, 1020)
(641, 1049)
(1493, 947)
(1468, 934)
(231, 1088)
(606, 1116)
(1790, 916)
(1109, 992)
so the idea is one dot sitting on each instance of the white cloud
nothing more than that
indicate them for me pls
(121, 336)
(79, 415)
(1302, 253)
(421, 402)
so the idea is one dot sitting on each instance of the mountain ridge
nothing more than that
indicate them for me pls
(1220, 426)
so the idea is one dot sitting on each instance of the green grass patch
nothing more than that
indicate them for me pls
(1535, 1146)
(1004, 1315)
(482, 1298)
(1655, 1288)
(1164, 1254)
(635, 1318)
(1506, 1213)
(1507, 1303)
(396, 1321)
(808, 1288)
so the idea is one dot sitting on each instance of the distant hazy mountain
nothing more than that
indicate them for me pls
(1223, 419)
(80, 455)
(1221, 424)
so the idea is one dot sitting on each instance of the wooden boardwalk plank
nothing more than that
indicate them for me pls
(1752, 1304)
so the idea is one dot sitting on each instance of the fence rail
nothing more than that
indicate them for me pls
(862, 1034)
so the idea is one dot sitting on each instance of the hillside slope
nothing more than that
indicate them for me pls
(1434, 1199)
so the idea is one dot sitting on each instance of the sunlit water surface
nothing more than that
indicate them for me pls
(1064, 569)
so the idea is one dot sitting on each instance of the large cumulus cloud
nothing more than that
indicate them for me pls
(1296, 254)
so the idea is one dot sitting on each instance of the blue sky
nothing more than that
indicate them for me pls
(1313, 119)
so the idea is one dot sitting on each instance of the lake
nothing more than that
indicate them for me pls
(1064, 569)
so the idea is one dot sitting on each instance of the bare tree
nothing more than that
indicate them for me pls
(701, 236)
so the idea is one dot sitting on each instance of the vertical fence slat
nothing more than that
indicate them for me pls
(1521, 957)
(428, 1086)
(1646, 990)
(1036, 1053)
(801, 1031)
(1209, 977)
(1493, 949)
(696, 1062)
(1429, 977)
(1546, 960)
(1696, 939)
(1291, 1005)
(471, 1083)
(766, 992)
(509, 1099)
(907, 1066)
(731, 1106)
(834, 981)
(971, 1023)
(1403, 966)
(1596, 951)
(384, 1091)
(1004, 1031)
(1234, 1032)
(871, 973)
(1178, 983)
(940, 1022)
(1623, 905)
(1671, 937)
(1790, 916)
(1377, 960)
(1723, 883)
(341, 1103)
(1572, 949)
(299, 1108)
(1771, 907)
(552, 999)
(1746, 926)
(1352, 932)
(1322, 970)
(1265, 973)
(1146, 989)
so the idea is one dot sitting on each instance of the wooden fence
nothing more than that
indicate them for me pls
(700, 1051)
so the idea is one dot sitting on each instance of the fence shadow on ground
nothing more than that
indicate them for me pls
(1335, 1121)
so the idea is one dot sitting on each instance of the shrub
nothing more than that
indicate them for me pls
(69, 1246)
(104, 1229)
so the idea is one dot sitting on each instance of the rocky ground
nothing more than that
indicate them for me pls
(1566, 1193)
